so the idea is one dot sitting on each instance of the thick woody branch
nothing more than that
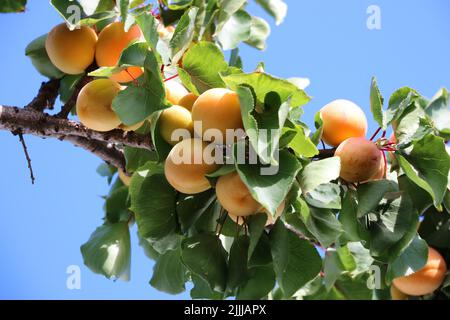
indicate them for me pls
(29, 121)
(46, 97)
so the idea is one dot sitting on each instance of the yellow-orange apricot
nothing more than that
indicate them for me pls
(124, 178)
(188, 101)
(427, 279)
(133, 127)
(94, 105)
(175, 91)
(112, 40)
(217, 108)
(235, 197)
(397, 294)
(188, 176)
(173, 118)
(360, 159)
(270, 220)
(71, 51)
(342, 119)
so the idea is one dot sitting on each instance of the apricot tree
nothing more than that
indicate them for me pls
(229, 189)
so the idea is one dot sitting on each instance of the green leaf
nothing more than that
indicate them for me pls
(116, 205)
(351, 225)
(7, 6)
(296, 261)
(439, 113)
(235, 59)
(300, 143)
(261, 281)
(428, 164)
(235, 30)
(137, 157)
(149, 26)
(318, 123)
(256, 226)
(191, 207)
(107, 251)
(201, 67)
(169, 273)
(420, 198)
(435, 228)
(276, 8)
(107, 171)
(204, 255)
(269, 185)
(259, 32)
(399, 101)
(67, 86)
(371, 193)
(136, 103)
(237, 263)
(183, 35)
(412, 259)
(315, 183)
(321, 223)
(178, 4)
(263, 129)
(263, 83)
(202, 290)
(153, 202)
(376, 104)
(162, 148)
(40, 60)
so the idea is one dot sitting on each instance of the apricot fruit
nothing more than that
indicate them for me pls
(71, 51)
(112, 40)
(397, 294)
(235, 197)
(217, 108)
(133, 127)
(342, 119)
(173, 118)
(427, 279)
(188, 176)
(124, 178)
(360, 159)
(94, 105)
(188, 101)
(175, 91)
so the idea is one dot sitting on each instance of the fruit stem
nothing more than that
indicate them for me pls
(385, 164)
(375, 134)
(170, 78)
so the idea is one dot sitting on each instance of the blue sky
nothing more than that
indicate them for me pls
(325, 40)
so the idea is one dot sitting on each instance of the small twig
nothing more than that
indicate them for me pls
(170, 78)
(46, 97)
(27, 155)
(375, 134)
(323, 144)
(325, 153)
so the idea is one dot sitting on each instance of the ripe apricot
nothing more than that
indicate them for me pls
(235, 197)
(133, 127)
(124, 178)
(112, 40)
(175, 91)
(217, 108)
(188, 101)
(427, 279)
(397, 294)
(360, 159)
(381, 172)
(94, 105)
(188, 176)
(342, 119)
(71, 51)
(270, 220)
(173, 118)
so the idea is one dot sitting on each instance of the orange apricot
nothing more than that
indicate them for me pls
(112, 40)
(173, 118)
(235, 197)
(71, 51)
(342, 119)
(175, 91)
(94, 105)
(188, 101)
(427, 279)
(189, 176)
(270, 220)
(217, 108)
(360, 159)
(397, 294)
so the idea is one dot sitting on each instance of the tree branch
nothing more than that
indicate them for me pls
(46, 97)
(325, 153)
(29, 121)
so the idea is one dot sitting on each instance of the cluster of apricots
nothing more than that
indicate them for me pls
(345, 127)
(73, 51)
(217, 109)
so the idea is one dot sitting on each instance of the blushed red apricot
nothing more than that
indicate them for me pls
(342, 119)
(112, 40)
(360, 159)
(71, 51)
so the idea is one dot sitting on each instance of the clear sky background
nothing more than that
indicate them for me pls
(43, 226)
